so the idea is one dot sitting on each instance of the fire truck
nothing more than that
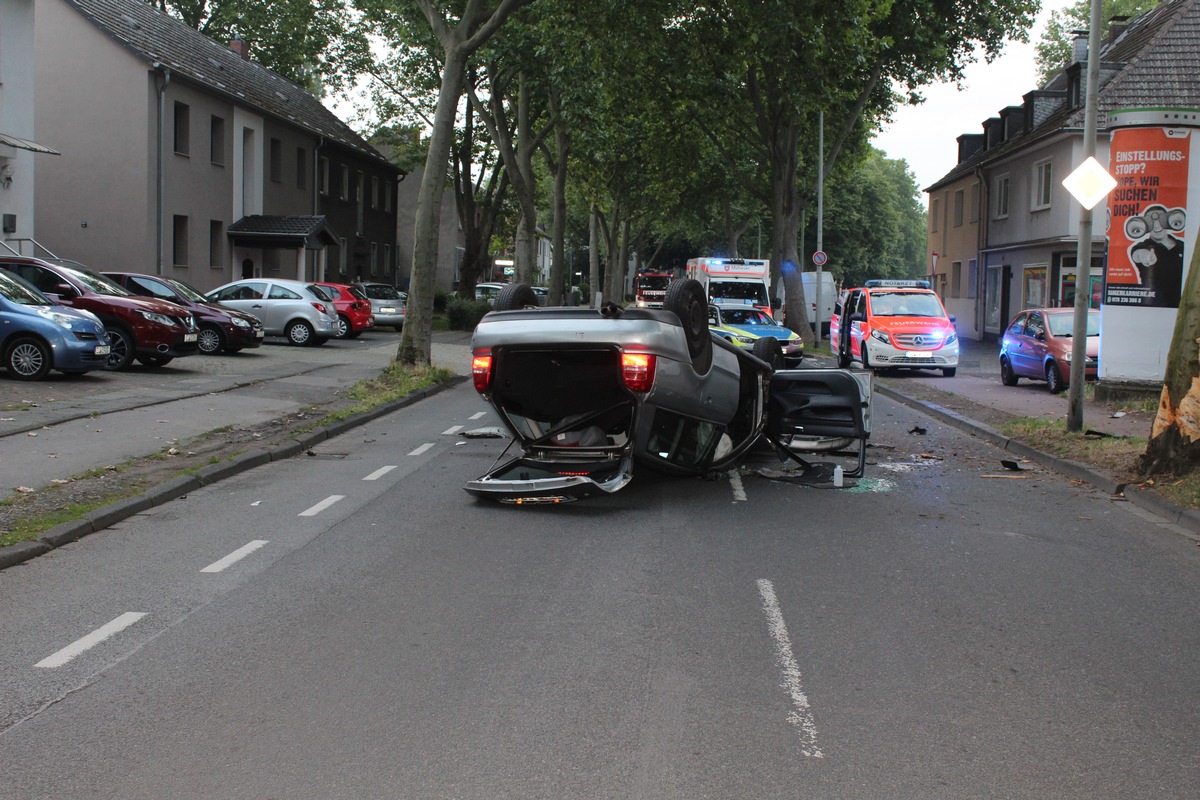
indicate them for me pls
(737, 279)
(651, 288)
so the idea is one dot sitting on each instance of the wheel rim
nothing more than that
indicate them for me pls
(342, 328)
(27, 359)
(119, 351)
(209, 341)
(299, 333)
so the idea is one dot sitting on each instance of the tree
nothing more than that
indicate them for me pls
(1054, 50)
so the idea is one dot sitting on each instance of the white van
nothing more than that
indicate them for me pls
(829, 296)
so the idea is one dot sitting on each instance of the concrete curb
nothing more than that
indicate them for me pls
(101, 518)
(1146, 499)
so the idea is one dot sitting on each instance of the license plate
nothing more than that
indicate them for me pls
(103, 350)
(916, 354)
(386, 310)
(189, 337)
(260, 334)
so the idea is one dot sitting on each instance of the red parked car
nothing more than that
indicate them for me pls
(1038, 342)
(353, 309)
(153, 331)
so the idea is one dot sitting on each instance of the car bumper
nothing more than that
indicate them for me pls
(183, 344)
(885, 355)
(243, 338)
(382, 318)
(72, 354)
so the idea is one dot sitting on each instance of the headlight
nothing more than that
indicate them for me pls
(881, 336)
(61, 320)
(238, 322)
(161, 319)
(744, 339)
(952, 338)
(1067, 356)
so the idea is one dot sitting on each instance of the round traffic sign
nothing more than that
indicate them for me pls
(820, 257)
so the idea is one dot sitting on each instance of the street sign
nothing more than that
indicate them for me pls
(510, 270)
(820, 257)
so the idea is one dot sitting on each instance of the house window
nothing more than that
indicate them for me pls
(934, 209)
(216, 243)
(343, 255)
(956, 279)
(387, 197)
(301, 168)
(1002, 197)
(276, 160)
(374, 258)
(359, 188)
(972, 278)
(374, 192)
(179, 241)
(345, 195)
(183, 138)
(216, 139)
(1042, 178)
(323, 175)
(387, 259)
(958, 208)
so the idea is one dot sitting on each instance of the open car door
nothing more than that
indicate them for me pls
(823, 404)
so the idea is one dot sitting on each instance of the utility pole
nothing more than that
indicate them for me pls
(820, 220)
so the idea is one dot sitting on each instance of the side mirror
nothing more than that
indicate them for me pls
(776, 304)
(858, 316)
(953, 319)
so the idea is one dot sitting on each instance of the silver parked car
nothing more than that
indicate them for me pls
(586, 392)
(387, 304)
(300, 310)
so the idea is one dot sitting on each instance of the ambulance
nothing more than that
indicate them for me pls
(734, 279)
(895, 324)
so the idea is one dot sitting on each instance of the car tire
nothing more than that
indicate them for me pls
(1007, 376)
(210, 340)
(121, 348)
(1054, 383)
(343, 327)
(155, 361)
(299, 332)
(687, 300)
(843, 354)
(317, 341)
(866, 359)
(399, 328)
(949, 372)
(768, 349)
(28, 359)
(515, 296)
(233, 350)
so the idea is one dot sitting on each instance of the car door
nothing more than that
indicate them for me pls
(281, 306)
(247, 296)
(1034, 350)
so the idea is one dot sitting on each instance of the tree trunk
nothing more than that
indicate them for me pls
(593, 257)
(1174, 446)
(560, 266)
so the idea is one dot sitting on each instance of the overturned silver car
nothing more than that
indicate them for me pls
(588, 392)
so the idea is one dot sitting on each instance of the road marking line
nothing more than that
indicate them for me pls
(379, 473)
(235, 556)
(321, 506)
(452, 430)
(480, 415)
(421, 449)
(801, 715)
(739, 491)
(91, 640)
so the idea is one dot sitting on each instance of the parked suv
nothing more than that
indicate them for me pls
(150, 330)
(221, 329)
(300, 310)
(895, 324)
(353, 309)
(387, 304)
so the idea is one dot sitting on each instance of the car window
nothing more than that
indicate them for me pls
(43, 279)
(377, 291)
(681, 440)
(905, 304)
(322, 292)
(1017, 328)
(186, 290)
(242, 291)
(1063, 324)
(149, 288)
(20, 292)
(357, 293)
(97, 282)
(1035, 325)
(283, 293)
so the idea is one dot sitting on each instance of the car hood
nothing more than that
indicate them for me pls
(150, 304)
(764, 330)
(82, 319)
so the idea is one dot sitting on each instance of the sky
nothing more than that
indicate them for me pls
(925, 135)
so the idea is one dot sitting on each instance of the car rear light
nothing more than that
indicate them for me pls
(638, 371)
(481, 371)
(320, 307)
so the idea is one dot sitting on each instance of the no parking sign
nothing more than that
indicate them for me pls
(820, 257)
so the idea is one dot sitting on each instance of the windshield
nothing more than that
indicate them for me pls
(1063, 323)
(377, 291)
(96, 282)
(20, 292)
(905, 304)
(745, 316)
(739, 290)
(186, 291)
(655, 283)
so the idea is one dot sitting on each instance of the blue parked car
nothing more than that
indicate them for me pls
(37, 336)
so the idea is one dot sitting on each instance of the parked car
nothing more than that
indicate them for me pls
(489, 291)
(587, 392)
(153, 331)
(739, 322)
(1037, 344)
(222, 329)
(354, 313)
(895, 324)
(388, 305)
(37, 336)
(299, 310)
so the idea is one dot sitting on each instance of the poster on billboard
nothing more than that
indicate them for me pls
(1147, 213)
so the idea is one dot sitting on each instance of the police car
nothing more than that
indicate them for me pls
(740, 322)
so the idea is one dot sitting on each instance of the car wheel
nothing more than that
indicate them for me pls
(28, 359)
(120, 353)
(1007, 376)
(210, 340)
(342, 328)
(866, 359)
(843, 354)
(354, 333)
(299, 332)
(317, 341)
(155, 361)
(399, 328)
(1053, 381)
(768, 349)
(687, 300)
(949, 372)
(233, 349)
(514, 296)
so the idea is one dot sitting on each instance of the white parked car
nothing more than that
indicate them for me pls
(301, 311)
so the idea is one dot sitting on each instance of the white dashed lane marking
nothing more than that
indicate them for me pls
(235, 556)
(479, 415)
(321, 506)
(91, 640)
(452, 430)
(801, 714)
(421, 449)
(379, 473)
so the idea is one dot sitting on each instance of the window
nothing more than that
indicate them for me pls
(323, 175)
(301, 168)
(276, 160)
(374, 192)
(148, 287)
(1002, 197)
(216, 139)
(958, 208)
(282, 293)
(183, 138)
(345, 195)
(956, 279)
(972, 278)
(387, 258)
(342, 254)
(179, 244)
(359, 188)
(216, 243)
(374, 258)
(1042, 178)
(935, 206)
(387, 197)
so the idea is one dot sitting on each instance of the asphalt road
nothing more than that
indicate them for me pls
(353, 625)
